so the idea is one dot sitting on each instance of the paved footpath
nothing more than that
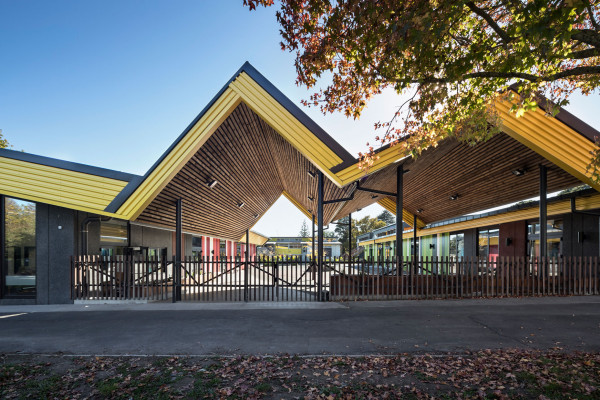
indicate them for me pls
(356, 328)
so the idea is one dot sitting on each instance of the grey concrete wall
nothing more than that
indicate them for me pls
(55, 244)
(471, 242)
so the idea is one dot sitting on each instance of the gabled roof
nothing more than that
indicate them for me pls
(565, 141)
(61, 183)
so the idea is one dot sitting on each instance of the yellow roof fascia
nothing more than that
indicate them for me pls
(407, 217)
(288, 126)
(255, 238)
(386, 157)
(551, 139)
(297, 204)
(58, 186)
(180, 155)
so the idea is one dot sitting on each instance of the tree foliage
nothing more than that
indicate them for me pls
(3, 142)
(304, 230)
(452, 59)
(387, 217)
(359, 227)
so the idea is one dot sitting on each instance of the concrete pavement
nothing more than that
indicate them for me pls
(355, 328)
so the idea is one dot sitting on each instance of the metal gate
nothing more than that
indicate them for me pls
(258, 279)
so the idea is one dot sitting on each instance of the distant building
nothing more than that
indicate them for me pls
(299, 246)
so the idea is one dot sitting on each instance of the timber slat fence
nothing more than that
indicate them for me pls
(295, 279)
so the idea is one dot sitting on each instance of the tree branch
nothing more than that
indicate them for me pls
(490, 21)
(591, 15)
(587, 53)
(578, 71)
(587, 36)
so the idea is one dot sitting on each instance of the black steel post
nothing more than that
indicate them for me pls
(543, 211)
(312, 258)
(350, 236)
(320, 234)
(177, 264)
(399, 208)
(246, 265)
(415, 248)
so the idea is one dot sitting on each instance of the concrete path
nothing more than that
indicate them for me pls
(356, 328)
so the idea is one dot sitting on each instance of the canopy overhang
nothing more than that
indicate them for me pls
(257, 145)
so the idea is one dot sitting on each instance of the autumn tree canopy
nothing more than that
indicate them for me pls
(3, 142)
(450, 59)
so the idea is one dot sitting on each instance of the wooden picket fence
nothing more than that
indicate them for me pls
(299, 279)
(436, 278)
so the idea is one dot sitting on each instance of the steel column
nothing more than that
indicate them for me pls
(178, 256)
(543, 211)
(350, 236)
(247, 264)
(320, 234)
(399, 208)
(415, 249)
(312, 257)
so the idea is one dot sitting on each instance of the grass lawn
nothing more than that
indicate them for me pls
(501, 374)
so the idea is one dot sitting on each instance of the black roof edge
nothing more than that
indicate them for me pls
(277, 95)
(565, 117)
(297, 113)
(68, 165)
(127, 191)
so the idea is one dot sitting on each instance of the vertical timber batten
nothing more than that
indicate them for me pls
(320, 245)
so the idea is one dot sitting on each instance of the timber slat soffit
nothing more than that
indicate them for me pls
(257, 144)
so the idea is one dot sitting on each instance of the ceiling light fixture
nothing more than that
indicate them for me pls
(312, 174)
(211, 183)
(311, 198)
(454, 196)
(255, 215)
(419, 211)
(519, 171)
(240, 205)
(374, 196)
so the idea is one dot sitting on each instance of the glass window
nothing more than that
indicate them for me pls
(457, 246)
(223, 248)
(19, 244)
(488, 244)
(114, 232)
(555, 234)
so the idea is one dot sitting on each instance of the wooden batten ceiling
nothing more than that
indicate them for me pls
(253, 165)
(481, 175)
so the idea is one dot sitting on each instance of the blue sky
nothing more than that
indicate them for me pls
(113, 83)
